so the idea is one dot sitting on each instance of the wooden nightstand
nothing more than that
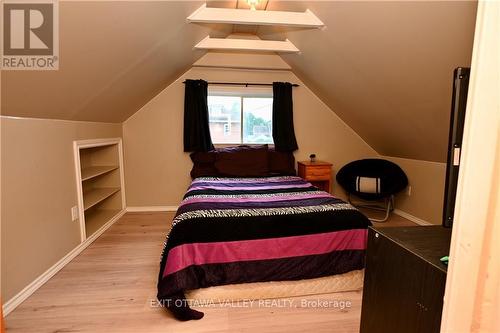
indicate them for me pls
(317, 173)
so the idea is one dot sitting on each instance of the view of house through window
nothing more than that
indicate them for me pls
(240, 119)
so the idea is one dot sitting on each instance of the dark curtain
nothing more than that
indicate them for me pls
(196, 128)
(283, 132)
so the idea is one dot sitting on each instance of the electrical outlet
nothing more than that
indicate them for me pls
(408, 191)
(74, 213)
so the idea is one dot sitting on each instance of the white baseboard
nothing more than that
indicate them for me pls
(412, 218)
(20, 297)
(152, 209)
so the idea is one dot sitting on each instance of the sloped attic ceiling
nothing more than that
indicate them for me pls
(384, 67)
(114, 57)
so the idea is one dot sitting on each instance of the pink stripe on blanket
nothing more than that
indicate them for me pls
(231, 188)
(186, 255)
(259, 199)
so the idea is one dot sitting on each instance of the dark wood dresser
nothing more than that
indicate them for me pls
(404, 279)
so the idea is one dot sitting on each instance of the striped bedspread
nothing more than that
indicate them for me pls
(237, 230)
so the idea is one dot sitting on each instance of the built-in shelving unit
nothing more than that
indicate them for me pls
(99, 173)
(241, 16)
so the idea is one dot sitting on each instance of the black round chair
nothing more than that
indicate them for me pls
(373, 180)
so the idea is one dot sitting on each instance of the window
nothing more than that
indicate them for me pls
(240, 116)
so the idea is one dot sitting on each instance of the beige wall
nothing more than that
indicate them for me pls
(38, 191)
(427, 189)
(156, 168)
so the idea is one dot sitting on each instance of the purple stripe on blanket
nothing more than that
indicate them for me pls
(250, 185)
(247, 180)
(267, 187)
(249, 205)
(186, 255)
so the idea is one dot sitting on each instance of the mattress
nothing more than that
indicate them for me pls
(279, 289)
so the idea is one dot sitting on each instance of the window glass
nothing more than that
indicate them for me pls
(225, 119)
(257, 120)
(240, 117)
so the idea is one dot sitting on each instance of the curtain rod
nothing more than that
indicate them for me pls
(244, 84)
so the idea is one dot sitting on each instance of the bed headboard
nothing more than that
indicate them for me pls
(242, 161)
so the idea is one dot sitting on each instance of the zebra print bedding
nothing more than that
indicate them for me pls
(238, 230)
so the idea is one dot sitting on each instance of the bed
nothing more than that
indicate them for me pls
(234, 230)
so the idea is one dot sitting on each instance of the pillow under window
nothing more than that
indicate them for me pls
(243, 161)
(281, 163)
(204, 164)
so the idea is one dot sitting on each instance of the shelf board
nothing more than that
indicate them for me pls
(94, 171)
(96, 195)
(257, 45)
(206, 14)
(95, 219)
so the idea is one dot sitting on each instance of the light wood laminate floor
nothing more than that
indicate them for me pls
(110, 286)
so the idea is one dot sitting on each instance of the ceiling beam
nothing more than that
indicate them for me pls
(205, 14)
(252, 45)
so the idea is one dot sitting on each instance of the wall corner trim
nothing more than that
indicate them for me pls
(145, 209)
(20, 297)
(412, 218)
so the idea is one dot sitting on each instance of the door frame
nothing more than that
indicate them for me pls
(472, 288)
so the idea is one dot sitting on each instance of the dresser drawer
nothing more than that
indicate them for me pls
(318, 173)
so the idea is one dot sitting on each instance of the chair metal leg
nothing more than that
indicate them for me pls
(389, 207)
(387, 211)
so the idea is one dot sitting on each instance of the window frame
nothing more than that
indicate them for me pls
(241, 94)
